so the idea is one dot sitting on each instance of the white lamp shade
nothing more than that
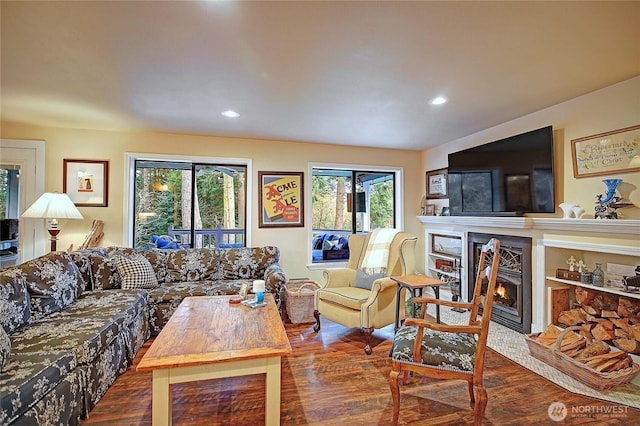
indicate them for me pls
(52, 205)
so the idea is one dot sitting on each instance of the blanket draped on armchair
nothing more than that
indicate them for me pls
(377, 254)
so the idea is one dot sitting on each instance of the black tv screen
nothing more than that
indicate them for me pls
(509, 177)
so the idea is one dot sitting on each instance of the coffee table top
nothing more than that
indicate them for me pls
(208, 329)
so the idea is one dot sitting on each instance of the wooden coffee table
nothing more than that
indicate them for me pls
(209, 338)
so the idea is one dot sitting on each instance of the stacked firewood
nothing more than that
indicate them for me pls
(596, 354)
(607, 317)
(602, 319)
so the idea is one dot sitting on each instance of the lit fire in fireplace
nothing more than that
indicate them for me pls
(502, 297)
(501, 291)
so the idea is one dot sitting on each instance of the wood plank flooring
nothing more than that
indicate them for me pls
(328, 380)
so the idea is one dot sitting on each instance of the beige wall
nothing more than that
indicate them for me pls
(265, 154)
(611, 108)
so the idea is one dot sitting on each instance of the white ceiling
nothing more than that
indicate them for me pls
(354, 73)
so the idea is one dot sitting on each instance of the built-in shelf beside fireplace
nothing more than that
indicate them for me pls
(553, 241)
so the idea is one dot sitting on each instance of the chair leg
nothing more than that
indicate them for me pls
(471, 395)
(395, 395)
(481, 405)
(316, 314)
(367, 340)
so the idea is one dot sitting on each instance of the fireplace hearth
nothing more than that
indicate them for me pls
(512, 300)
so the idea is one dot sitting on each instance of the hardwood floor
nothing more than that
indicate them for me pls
(328, 380)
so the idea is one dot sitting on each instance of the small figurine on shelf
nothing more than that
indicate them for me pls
(581, 265)
(572, 263)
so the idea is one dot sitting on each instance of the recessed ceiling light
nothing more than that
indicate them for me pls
(438, 100)
(230, 114)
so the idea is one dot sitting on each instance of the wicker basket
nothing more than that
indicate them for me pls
(299, 300)
(571, 367)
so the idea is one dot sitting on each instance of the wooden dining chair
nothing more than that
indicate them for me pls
(449, 351)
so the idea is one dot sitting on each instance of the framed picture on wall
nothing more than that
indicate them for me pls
(86, 182)
(281, 199)
(437, 184)
(607, 153)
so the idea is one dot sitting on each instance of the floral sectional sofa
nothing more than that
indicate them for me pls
(73, 322)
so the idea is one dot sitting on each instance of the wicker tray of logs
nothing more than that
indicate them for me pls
(592, 362)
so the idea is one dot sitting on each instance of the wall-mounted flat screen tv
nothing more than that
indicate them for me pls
(508, 177)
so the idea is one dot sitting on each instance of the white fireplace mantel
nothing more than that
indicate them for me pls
(553, 240)
(619, 226)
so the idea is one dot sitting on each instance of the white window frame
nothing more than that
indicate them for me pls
(129, 183)
(398, 209)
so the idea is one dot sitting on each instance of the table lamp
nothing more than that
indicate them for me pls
(53, 206)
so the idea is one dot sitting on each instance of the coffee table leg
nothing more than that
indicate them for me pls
(161, 399)
(272, 405)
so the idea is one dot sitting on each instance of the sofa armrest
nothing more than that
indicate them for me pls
(275, 280)
(386, 282)
(380, 308)
(381, 285)
(341, 277)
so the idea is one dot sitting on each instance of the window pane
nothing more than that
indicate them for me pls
(164, 198)
(220, 205)
(9, 191)
(329, 201)
(378, 189)
(158, 201)
(340, 208)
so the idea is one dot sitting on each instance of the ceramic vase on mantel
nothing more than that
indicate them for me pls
(577, 211)
(566, 209)
(612, 186)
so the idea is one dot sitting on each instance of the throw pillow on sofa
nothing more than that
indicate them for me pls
(193, 264)
(247, 262)
(15, 310)
(5, 348)
(53, 282)
(84, 260)
(104, 273)
(136, 272)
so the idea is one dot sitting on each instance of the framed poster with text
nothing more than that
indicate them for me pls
(281, 199)
(608, 153)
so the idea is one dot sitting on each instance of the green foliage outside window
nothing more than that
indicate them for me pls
(3, 193)
(381, 197)
(334, 195)
(159, 201)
